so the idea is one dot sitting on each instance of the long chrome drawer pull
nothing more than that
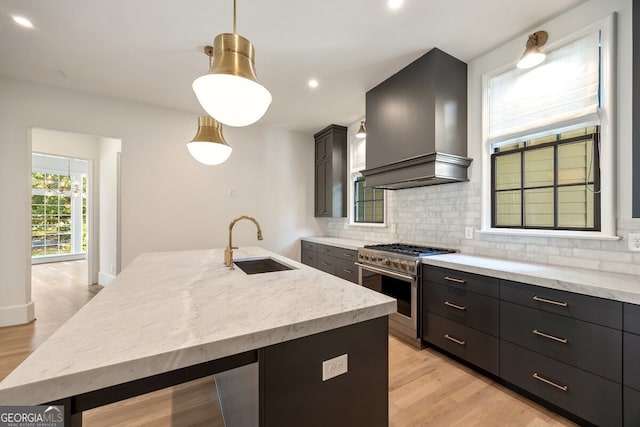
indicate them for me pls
(551, 383)
(459, 307)
(548, 301)
(325, 264)
(346, 270)
(457, 341)
(453, 279)
(551, 337)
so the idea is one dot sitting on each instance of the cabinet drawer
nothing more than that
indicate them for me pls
(631, 365)
(309, 246)
(632, 318)
(583, 307)
(324, 249)
(468, 281)
(345, 254)
(469, 344)
(309, 257)
(590, 347)
(326, 263)
(631, 407)
(467, 308)
(588, 396)
(347, 270)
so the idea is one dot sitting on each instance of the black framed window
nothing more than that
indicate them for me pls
(368, 203)
(548, 183)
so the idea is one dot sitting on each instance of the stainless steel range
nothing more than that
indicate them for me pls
(394, 270)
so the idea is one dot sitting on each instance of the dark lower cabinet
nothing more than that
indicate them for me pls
(478, 348)
(564, 338)
(631, 399)
(294, 394)
(460, 314)
(631, 365)
(575, 353)
(590, 397)
(330, 259)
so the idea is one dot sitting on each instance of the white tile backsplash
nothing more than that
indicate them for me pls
(438, 215)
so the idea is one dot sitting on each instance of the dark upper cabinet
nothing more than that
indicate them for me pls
(331, 172)
(417, 124)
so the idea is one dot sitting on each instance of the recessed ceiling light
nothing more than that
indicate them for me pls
(22, 21)
(394, 4)
(313, 83)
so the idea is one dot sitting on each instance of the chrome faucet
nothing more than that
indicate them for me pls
(228, 252)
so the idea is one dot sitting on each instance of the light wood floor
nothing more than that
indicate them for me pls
(425, 387)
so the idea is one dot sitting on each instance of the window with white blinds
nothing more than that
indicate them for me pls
(559, 95)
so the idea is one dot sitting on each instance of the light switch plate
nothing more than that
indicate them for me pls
(333, 367)
(634, 242)
(468, 232)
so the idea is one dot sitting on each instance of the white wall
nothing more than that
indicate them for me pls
(169, 201)
(108, 200)
(438, 215)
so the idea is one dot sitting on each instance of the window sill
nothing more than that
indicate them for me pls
(559, 234)
(367, 224)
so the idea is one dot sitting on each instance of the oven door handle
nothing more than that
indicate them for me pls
(386, 272)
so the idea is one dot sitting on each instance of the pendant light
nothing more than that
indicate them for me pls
(532, 55)
(362, 132)
(230, 91)
(208, 146)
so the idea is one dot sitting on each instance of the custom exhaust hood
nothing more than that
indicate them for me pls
(417, 125)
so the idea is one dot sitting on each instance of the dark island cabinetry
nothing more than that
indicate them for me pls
(331, 172)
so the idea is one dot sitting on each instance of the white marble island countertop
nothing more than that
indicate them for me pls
(170, 310)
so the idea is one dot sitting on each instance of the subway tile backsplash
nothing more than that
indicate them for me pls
(438, 215)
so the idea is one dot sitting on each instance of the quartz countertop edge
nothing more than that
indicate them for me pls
(178, 309)
(339, 242)
(613, 286)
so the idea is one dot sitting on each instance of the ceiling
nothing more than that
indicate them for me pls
(151, 51)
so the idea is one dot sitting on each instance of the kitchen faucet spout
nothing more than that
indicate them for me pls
(228, 252)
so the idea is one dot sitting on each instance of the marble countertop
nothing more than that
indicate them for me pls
(175, 309)
(339, 242)
(613, 286)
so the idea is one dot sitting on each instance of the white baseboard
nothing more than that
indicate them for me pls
(104, 279)
(17, 314)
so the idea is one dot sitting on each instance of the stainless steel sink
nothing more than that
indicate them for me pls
(260, 265)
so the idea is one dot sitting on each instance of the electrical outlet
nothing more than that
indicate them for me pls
(468, 232)
(634, 242)
(333, 367)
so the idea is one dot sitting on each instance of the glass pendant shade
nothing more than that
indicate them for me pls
(208, 146)
(230, 91)
(532, 55)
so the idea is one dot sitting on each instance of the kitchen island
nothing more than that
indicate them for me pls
(175, 316)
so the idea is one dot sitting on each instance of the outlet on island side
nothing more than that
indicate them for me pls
(634, 242)
(333, 367)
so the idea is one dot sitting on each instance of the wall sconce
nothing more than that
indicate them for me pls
(208, 146)
(532, 55)
(230, 91)
(362, 132)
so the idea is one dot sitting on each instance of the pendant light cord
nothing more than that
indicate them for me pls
(234, 16)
